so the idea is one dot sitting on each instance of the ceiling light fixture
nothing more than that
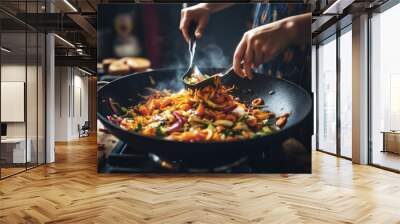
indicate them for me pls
(331, 7)
(84, 71)
(64, 40)
(337, 7)
(70, 5)
(5, 50)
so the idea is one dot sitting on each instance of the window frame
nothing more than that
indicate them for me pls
(334, 37)
(381, 9)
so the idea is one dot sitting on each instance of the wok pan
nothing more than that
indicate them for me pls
(280, 95)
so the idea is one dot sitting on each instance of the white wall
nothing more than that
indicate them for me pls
(62, 81)
(80, 110)
(71, 94)
(10, 73)
(16, 72)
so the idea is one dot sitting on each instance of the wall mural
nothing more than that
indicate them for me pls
(204, 88)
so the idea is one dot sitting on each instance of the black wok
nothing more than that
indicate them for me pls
(280, 95)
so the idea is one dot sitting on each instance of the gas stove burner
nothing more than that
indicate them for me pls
(223, 168)
(125, 158)
(182, 166)
(163, 162)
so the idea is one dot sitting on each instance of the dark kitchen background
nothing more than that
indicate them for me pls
(151, 31)
(155, 34)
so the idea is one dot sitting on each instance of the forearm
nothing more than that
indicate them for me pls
(215, 7)
(300, 26)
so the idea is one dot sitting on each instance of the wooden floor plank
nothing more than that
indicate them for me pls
(71, 191)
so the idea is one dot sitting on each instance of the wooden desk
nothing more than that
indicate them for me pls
(391, 141)
(13, 150)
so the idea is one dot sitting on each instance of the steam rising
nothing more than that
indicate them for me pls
(212, 57)
(209, 56)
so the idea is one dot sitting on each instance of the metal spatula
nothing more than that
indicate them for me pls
(208, 81)
(193, 69)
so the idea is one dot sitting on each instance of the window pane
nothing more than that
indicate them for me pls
(15, 150)
(31, 99)
(385, 88)
(327, 97)
(346, 94)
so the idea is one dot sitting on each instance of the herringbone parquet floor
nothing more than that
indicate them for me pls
(70, 191)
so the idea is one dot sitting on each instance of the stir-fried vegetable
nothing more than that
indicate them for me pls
(196, 78)
(208, 114)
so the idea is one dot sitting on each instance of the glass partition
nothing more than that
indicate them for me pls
(35, 89)
(334, 94)
(326, 138)
(346, 93)
(385, 89)
(15, 151)
(32, 98)
(22, 92)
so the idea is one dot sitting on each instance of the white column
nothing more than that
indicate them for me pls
(50, 93)
(360, 90)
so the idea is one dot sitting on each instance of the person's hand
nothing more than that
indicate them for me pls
(261, 44)
(198, 14)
